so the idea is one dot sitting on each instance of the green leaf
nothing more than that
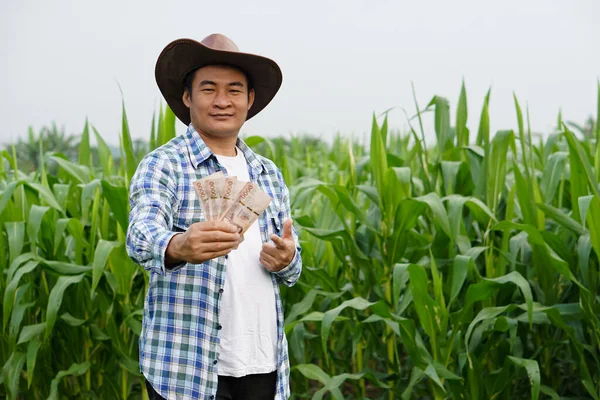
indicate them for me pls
(442, 122)
(483, 134)
(18, 313)
(32, 351)
(30, 332)
(78, 172)
(16, 237)
(535, 237)
(533, 371)
(71, 320)
(11, 288)
(581, 159)
(312, 371)
(85, 155)
(11, 372)
(7, 194)
(131, 161)
(562, 219)
(74, 370)
(449, 174)
(432, 374)
(548, 391)
(496, 165)
(518, 280)
(118, 200)
(378, 156)
(64, 268)
(46, 196)
(462, 132)
(433, 201)
(357, 303)
(123, 269)
(104, 154)
(416, 376)
(168, 126)
(524, 194)
(103, 251)
(297, 343)
(424, 305)
(552, 175)
(56, 298)
(460, 268)
(485, 314)
(36, 215)
(399, 279)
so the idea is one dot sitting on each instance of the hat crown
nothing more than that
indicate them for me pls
(219, 41)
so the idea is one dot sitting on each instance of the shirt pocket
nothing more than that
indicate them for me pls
(189, 213)
(274, 225)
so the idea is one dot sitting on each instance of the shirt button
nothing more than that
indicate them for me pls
(215, 362)
(221, 290)
(227, 256)
(219, 327)
(212, 397)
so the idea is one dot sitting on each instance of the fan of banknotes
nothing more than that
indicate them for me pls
(231, 200)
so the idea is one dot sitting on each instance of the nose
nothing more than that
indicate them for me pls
(221, 100)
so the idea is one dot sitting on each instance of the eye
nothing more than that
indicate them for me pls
(208, 90)
(235, 91)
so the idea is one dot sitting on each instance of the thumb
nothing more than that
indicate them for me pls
(287, 229)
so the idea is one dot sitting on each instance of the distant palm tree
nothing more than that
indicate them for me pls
(53, 140)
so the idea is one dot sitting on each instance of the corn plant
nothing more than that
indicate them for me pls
(466, 268)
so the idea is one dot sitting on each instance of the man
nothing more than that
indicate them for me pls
(213, 317)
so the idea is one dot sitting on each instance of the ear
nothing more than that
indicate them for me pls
(186, 98)
(250, 98)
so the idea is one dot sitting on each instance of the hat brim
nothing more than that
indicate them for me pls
(182, 56)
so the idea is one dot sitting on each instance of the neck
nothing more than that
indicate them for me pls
(222, 146)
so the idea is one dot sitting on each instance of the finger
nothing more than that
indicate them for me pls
(216, 254)
(218, 226)
(219, 246)
(267, 260)
(218, 236)
(287, 229)
(279, 242)
(271, 250)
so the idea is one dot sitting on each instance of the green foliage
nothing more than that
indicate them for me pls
(465, 270)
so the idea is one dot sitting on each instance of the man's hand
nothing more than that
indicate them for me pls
(280, 255)
(203, 241)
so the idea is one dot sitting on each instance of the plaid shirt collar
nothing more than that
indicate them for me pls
(200, 152)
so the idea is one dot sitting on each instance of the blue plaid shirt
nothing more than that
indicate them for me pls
(179, 342)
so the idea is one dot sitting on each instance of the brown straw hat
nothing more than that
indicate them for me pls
(182, 56)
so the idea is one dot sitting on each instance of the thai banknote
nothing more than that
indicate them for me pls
(231, 191)
(201, 188)
(251, 202)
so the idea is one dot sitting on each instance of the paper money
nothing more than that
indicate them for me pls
(231, 192)
(203, 194)
(229, 199)
(251, 202)
(214, 188)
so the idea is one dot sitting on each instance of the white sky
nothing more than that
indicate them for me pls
(341, 60)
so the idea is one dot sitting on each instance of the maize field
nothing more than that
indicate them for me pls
(463, 268)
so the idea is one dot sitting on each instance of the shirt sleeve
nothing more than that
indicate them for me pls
(152, 201)
(290, 274)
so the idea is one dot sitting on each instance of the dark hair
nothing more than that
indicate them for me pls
(189, 78)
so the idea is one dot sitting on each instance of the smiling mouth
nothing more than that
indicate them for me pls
(221, 115)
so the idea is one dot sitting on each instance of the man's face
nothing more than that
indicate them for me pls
(219, 101)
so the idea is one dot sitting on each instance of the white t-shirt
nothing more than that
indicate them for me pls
(248, 311)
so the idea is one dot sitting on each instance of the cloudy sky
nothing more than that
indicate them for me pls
(62, 61)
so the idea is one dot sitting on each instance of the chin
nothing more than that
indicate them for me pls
(225, 132)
